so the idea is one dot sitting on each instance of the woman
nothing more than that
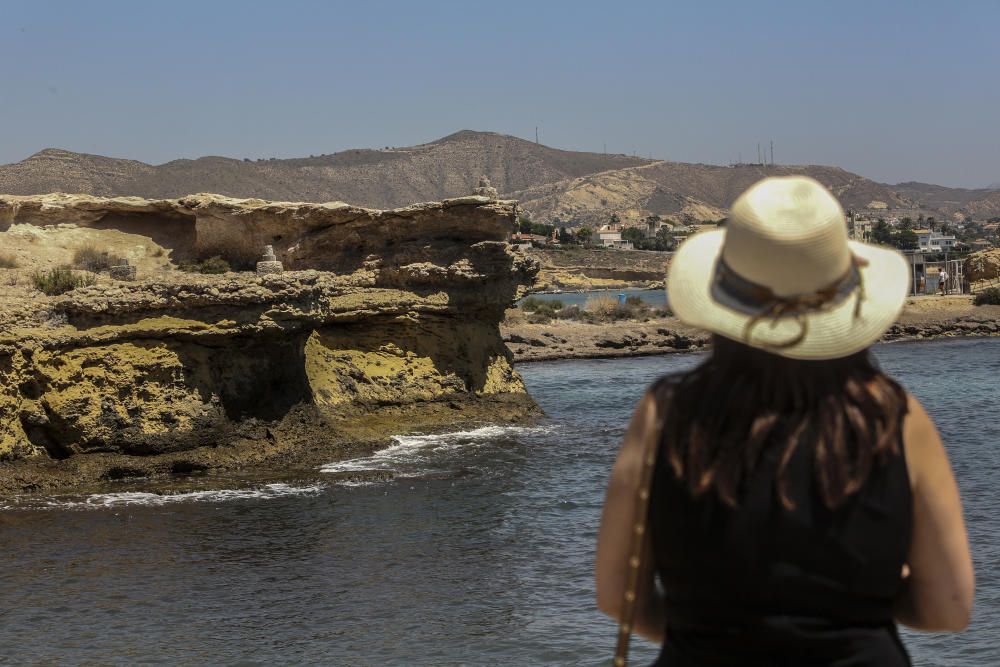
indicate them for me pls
(801, 503)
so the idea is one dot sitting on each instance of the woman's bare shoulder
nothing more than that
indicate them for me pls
(924, 449)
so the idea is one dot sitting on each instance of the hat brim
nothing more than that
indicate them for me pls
(831, 333)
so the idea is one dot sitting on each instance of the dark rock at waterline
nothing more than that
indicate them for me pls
(180, 372)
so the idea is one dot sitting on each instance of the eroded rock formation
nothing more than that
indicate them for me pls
(983, 265)
(382, 313)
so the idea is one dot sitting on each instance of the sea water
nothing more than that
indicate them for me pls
(656, 298)
(479, 552)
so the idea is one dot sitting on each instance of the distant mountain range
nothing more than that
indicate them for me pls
(570, 186)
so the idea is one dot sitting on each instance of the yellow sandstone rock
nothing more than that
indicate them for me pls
(381, 310)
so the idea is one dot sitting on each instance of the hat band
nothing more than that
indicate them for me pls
(734, 291)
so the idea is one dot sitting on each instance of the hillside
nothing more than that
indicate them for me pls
(683, 191)
(980, 203)
(388, 178)
(571, 186)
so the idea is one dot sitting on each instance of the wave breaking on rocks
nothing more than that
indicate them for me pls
(383, 322)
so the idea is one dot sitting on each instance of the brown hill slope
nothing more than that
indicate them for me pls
(551, 183)
(981, 203)
(689, 192)
(449, 167)
(54, 170)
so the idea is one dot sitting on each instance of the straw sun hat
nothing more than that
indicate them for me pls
(783, 277)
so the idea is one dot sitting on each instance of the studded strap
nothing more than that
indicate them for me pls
(625, 625)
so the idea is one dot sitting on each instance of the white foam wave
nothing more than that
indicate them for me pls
(408, 450)
(105, 500)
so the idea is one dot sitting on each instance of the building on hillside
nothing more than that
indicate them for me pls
(981, 244)
(680, 233)
(529, 240)
(702, 227)
(860, 229)
(893, 217)
(610, 236)
(932, 241)
(654, 224)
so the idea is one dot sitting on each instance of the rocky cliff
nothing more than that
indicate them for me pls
(579, 269)
(983, 267)
(387, 322)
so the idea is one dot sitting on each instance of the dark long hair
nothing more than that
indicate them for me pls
(721, 416)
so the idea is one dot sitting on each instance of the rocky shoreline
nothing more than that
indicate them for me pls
(388, 324)
(923, 318)
(575, 269)
(294, 447)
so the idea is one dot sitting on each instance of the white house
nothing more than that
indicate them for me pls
(610, 236)
(860, 229)
(932, 241)
(529, 240)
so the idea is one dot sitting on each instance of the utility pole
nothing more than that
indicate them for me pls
(772, 152)
(759, 160)
(536, 134)
(605, 148)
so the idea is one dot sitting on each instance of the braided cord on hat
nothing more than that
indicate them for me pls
(769, 305)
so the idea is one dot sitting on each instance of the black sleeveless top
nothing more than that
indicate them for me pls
(760, 584)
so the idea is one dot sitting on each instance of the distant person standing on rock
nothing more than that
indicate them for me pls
(943, 281)
(785, 502)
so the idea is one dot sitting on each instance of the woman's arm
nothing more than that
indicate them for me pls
(937, 594)
(615, 537)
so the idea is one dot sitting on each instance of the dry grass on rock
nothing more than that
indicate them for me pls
(60, 280)
(239, 253)
(8, 261)
(91, 258)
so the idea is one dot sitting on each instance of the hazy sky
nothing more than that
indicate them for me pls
(895, 91)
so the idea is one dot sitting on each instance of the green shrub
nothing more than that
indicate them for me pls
(529, 304)
(989, 296)
(239, 252)
(568, 313)
(215, 265)
(598, 309)
(550, 308)
(8, 261)
(211, 266)
(626, 312)
(60, 280)
(602, 307)
(608, 309)
(599, 304)
(535, 305)
(89, 258)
